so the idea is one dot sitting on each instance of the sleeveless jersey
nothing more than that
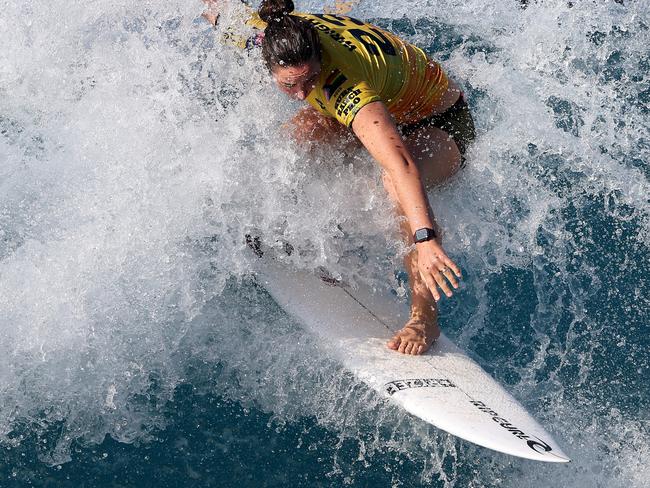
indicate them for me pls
(362, 63)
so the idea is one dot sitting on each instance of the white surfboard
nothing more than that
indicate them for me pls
(443, 387)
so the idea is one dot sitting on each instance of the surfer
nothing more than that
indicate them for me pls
(410, 116)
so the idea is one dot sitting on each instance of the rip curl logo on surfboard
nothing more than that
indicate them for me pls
(399, 385)
(534, 442)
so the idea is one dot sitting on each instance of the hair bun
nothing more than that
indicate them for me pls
(275, 9)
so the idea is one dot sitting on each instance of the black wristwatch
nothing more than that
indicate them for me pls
(424, 234)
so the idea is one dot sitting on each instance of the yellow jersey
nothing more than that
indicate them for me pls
(362, 63)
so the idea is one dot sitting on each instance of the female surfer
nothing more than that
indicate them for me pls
(410, 116)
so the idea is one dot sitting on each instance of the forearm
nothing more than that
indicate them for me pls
(410, 193)
(376, 129)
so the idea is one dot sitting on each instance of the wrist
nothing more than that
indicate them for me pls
(425, 234)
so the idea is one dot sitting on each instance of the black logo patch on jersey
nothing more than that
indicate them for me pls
(347, 101)
(333, 83)
(321, 104)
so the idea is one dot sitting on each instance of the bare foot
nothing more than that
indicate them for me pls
(416, 337)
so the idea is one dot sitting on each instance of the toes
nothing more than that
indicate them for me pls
(406, 342)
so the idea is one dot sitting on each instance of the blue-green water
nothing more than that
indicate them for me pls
(135, 151)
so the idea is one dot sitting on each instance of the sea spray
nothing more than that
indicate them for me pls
(137, 152)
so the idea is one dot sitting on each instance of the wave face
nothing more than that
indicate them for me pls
(136, 152)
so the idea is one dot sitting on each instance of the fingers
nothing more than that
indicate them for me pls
(451, 271)
(441, 273)
(442, 283)
(450, 277)
(428, 279)
(448, 268)
(451, 265)
(434, 280)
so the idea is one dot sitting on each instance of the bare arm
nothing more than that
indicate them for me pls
(376, 129)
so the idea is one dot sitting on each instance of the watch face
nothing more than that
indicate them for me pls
(425, 234)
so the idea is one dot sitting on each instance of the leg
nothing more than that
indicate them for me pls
(436, 155)
(438, 158)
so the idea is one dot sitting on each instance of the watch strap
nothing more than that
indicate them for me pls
(424, 234)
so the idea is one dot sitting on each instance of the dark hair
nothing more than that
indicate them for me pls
(288, 40)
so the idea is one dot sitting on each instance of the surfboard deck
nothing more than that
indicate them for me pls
(443, 387)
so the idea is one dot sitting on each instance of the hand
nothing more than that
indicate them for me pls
(211, 13)
(436, 269)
